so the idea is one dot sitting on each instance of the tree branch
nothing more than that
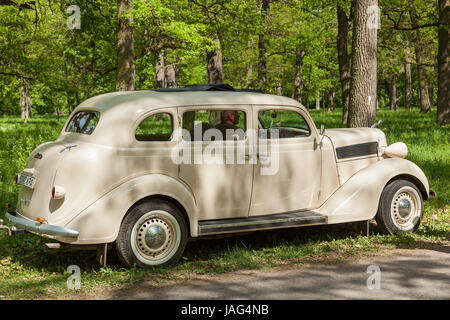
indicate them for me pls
(13, 74)
(397, 27)
(27, 5)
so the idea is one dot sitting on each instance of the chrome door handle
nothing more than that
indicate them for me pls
(262, 156)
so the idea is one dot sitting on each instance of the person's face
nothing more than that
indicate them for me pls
(234, 117)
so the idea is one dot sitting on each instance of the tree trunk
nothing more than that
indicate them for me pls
(262, 45)
(125, 48)
(443, 108)
(249, 81)
(298, 81)
(215, 74)
(57, 108)
(408, 84)
(214, 59)
(424, 101)
(344, 61)
(424, 98)
(330, 99)
(363, 90)
(249, 75)
(431, 91)
(25, 102)
(69, 101)
(159, 71)
(171, 76)
(392, 90)
(317, 103)
(279, 89)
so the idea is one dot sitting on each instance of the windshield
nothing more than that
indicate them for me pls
(83, 122)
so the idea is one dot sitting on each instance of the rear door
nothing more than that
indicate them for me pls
(216, 169)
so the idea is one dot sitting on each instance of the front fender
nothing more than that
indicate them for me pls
(100, 222)
(358, 198)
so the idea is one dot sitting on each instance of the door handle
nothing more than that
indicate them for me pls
(262, 156)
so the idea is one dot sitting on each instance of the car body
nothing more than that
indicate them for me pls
(104, 181)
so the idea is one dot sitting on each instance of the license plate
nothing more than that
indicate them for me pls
(26, 180)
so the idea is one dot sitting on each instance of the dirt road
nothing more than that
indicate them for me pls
(413, 274)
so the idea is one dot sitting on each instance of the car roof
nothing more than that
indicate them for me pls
(135, 101)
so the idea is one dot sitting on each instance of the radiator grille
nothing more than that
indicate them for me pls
(357, 150)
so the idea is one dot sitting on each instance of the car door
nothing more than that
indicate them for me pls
(216, 169)
(286, 175)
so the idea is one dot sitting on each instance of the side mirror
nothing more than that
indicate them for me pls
(322, 129)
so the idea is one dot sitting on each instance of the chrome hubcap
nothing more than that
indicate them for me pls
(154, 236)
(406, 208)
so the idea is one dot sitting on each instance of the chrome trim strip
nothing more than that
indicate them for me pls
(39, 228)
(254, 222)
(284, 220)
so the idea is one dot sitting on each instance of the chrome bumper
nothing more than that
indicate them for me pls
(432, 194)
(44, 229)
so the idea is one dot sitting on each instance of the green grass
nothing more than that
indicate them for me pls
(30, 270)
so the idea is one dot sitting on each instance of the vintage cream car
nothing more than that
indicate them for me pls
(147, 170)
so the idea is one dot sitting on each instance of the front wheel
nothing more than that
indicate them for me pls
(400, 209)
(153, 233)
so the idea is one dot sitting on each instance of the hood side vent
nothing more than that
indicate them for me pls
(357, 150)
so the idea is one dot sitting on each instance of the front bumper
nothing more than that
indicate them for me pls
(431, 194)
(39, 228)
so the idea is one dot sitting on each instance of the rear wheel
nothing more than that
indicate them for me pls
(153, 233)
(400, 209)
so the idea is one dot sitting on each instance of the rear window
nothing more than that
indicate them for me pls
(83, 122)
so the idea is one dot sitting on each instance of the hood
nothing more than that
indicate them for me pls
(350, 136)
(356, 142)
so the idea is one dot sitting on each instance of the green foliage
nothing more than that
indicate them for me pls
(64, 67)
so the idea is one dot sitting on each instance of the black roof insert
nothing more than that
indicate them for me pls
(206, 87)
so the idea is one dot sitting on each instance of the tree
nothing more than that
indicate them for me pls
(214, 60)
(363, 89)
(262, 44)
(344, 60)
(419, 45)
(443, 109)
(408, 82)
(125, 47)
(25, 102)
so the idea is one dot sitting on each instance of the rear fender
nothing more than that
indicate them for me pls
(100, 222)
(358, 198)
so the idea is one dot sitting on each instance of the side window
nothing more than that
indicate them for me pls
(210, 125)
(83, 122)
(157, 127)
(282, 123)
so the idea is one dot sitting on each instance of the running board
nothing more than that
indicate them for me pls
(292, 219)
